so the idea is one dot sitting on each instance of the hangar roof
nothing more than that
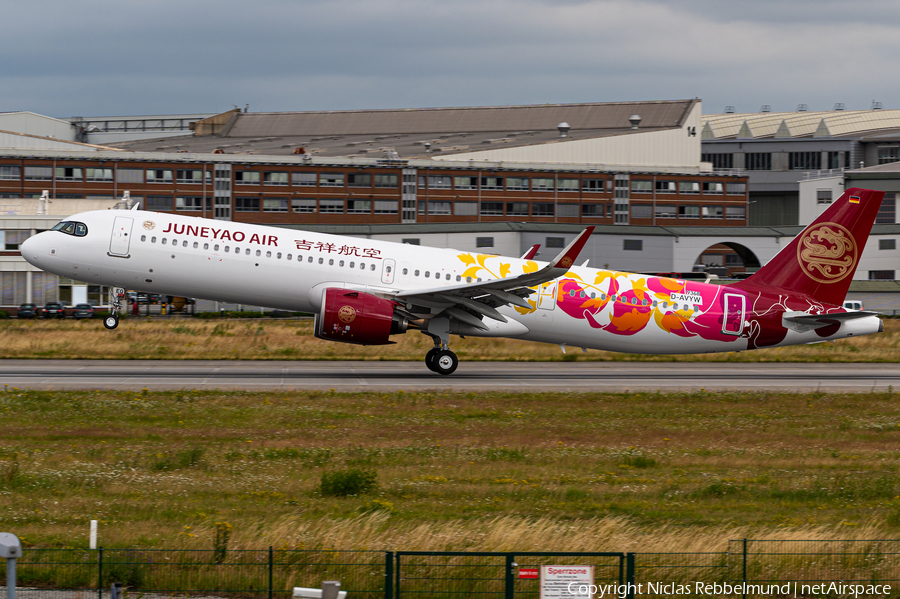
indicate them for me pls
(418, 132)
(780, 125)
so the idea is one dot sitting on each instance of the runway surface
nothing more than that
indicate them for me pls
(471, 376)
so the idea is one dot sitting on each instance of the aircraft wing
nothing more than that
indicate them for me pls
(468, 302)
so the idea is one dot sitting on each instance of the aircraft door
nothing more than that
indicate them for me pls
(120, 242)
(403, 275)
(387, 271)
(733, 318)
(547, 296)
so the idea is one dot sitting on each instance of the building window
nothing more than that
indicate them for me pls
(154, 203)
(331, 179)
(834, 160)
(435, 207)
(758, 161)
(735, 212)
(633, 245)
(386, 206)
(192, 177)
(304, 179)
(736, 189)
(517, 183)
(823, 196)
(331, 206)
(593, 210)
(304, 205)
(641, 186)
(159, 175)
(38, 173)
(595, 185)
(555, 242)
(713, 188)
(465, 208)
(713, 211)
(484, 242)
(465, 182)
(188, 204)
(130, 175)
(567, 211)
(888, 154)
(665, 187)
(10, 173)
(542, 184)
(666, 211)
(719, 161)
(641, 211)
(275, 178)
(100, 175)
(881, 275)
(275, 204)
(804, 161)
(492, 208)
(689, 187)
(439, 182)
(689, 212)
(517, 209)
(246, 204)
(542, 209)
(492, 183)
(359, 180)
(68, 173)
(411, 241)
(246, 178)
(567, 185)
(887, 244)
(887, 213)
(387, 181)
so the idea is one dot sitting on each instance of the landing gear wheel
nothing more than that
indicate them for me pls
(429, 358)
(445, 362)
(111, 321)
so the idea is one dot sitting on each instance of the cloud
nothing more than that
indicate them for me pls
(160, 56)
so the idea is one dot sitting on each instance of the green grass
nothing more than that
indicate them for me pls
(161, 469)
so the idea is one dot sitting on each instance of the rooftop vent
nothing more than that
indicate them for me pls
(766, 108)
(563, 129)
(802, 107)
(729, 110)
(876, 105)
(839, 106)
(635, 120)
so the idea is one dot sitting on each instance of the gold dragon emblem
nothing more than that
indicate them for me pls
(827, 253)
(347, 314)
(149, 225)
(566, 262)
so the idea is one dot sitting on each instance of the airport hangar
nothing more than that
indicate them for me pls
(495, 179)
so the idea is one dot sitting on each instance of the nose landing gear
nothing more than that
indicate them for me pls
(116, 295)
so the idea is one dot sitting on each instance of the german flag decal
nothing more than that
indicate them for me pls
(854, 199)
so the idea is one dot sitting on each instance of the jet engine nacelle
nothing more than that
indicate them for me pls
(356, 317)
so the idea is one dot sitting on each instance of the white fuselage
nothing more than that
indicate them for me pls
(285, 269)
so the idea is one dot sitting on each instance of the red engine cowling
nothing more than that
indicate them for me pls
(355, 317)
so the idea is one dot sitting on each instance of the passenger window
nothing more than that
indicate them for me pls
(416, 273)
(353, 265)
(184, 243)
(468, 279)
(331, 262)
(426, 274)
(341, 263)
(372, 267)
(448, 276)
(205, 246)
(362, 266)
(311, 259)
(247, 251)
(321, 260)
(196, 245)
(164, 241)
(227, 249)
(278, 255)
(289, 256)
(268, 254)
(258, 253)
(143, 238)
(458, 278)
(387, 269)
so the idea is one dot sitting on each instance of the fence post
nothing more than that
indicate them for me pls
(509, 584)
(629, 575)
(100, 573)
(744, 572)
(397, 577)
(271, 569)
(388, 575)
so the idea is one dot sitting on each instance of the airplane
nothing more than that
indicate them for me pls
(363, 291)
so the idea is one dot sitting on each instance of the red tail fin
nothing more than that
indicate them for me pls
(820, 262)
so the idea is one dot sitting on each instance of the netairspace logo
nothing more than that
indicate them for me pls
(718, 589)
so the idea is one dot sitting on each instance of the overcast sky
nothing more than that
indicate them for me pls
(113, 57)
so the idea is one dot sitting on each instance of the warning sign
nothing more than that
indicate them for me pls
(534, 573)
(566, 582)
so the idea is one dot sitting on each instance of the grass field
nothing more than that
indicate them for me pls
(492, 471)
(187, 339)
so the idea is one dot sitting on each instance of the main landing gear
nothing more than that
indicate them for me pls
(117, 294)
(440, 359)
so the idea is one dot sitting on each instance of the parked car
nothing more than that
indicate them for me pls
(147, 298)
(27, 311)
(83, 311)
(54, 310)
(853, 305)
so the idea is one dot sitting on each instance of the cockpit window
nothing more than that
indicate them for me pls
(71, 228)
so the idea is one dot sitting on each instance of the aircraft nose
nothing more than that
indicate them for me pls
(30, 249)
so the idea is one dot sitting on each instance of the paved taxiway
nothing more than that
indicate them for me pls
(471, 376)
